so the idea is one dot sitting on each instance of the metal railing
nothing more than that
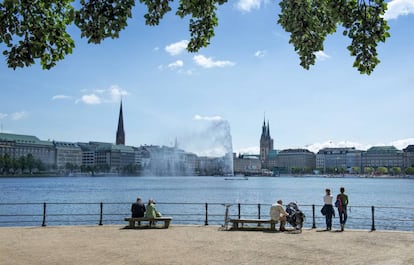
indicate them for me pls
(100, 213)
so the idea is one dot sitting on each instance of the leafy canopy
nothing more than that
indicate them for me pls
(36, 29)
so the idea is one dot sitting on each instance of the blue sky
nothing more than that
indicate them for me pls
(249, 71)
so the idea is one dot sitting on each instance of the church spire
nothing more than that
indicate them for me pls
(268, 129)
(120, 133)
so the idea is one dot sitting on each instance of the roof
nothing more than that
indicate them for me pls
(113, 147)
(294, 151)
(23, 139)
(383, 149)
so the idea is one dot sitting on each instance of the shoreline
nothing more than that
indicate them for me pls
(185, 244)
(100, 175)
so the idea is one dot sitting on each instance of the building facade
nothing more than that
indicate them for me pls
(409, 156)
(247, 164)
(68, 156)
(339, 160)
(17, 145)
(294, 161)
(383, 156)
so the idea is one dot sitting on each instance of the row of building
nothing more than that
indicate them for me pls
(98, 157)
(67, 157)
(64, 157)
(327, 160)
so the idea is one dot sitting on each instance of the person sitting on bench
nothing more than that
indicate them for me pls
(152, 211)
(278, 213)
(138, 208)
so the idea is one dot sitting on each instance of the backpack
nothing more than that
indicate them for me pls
(338, 202)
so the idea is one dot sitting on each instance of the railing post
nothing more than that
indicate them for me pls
(238, 205)
(373, 218)
(101, 214)
(258, 210)
(206, 220)
(44, 214)
(313, 216)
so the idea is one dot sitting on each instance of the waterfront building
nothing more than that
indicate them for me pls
(247, 164)
(142, 157)
(271, 159)
(68, 156)
(383, 156)
(294, 161)
(409, 156)
(113, 157)
(88, 154)
(266, 144)
(17, 145)
(120, 132)
(339, 160)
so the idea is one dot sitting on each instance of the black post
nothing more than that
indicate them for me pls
(258, 210)
(373, 218)
(101, 215)
(239, 209)
(313, 216)
(206, 221)
(44, 214)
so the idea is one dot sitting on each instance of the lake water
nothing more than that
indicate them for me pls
(184, 198)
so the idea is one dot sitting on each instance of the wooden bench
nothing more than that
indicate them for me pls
(236, 222)
(133, 220)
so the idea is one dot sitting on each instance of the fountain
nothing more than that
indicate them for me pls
(204, 148)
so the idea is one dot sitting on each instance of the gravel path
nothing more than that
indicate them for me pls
(98, 245)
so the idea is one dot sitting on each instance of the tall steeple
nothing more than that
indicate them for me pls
(263, 136)
(266, 143)
(120, 133)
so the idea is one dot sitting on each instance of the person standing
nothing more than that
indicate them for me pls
(328, 209)
(342, 203)
(278, 213)
(138, 208)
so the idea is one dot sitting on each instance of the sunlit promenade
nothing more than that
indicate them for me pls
(181, 244)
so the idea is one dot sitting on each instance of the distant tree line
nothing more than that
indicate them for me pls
(130, 169)
(394, 171)
(27, 164)
(24, 164)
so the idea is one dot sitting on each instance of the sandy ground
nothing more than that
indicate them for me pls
(200, 245)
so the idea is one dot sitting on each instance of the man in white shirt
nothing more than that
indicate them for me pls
(278, 213)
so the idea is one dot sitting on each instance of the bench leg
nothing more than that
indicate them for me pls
(236, 226)
(131, 223)
(273, 226)
(166, 223)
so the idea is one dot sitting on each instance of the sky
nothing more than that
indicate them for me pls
(249, 73)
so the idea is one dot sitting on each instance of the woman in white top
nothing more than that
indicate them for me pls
(328, 209)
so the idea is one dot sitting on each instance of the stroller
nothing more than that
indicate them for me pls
(296, 217)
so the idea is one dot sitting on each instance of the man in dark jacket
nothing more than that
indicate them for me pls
(138, 208)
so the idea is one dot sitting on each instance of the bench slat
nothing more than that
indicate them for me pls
(236, 222)
(132, 220)
(148, 219)
(252, 221)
